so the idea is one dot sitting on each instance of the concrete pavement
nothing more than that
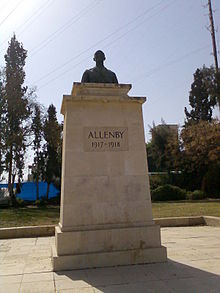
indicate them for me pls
(193, 266)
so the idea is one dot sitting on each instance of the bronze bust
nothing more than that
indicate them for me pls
(99, 73)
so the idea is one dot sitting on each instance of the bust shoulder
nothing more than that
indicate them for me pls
(112, 76)
(85, 77)
(96, 74)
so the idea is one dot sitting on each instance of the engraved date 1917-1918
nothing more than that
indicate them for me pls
(101, 144)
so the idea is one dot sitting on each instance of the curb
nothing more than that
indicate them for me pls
(28, 231)
(180, 221)
(49, 230)
(212, 221)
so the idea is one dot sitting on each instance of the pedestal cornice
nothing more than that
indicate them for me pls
(99, 92)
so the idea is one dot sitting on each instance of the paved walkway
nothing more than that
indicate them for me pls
(193, 266)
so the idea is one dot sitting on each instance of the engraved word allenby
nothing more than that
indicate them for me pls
(106, 134)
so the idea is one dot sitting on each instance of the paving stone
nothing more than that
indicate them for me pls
(11, 269)
(193, 266)
(37, 277)
(10, 279)
(71, 284)
(72, 275)
(147, 287)
(37, 287)
(77, 290)
(135, 274)
(10, 288)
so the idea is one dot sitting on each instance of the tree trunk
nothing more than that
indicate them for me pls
(37, 176)
(37, 182)
(48, 189)
(37, 187)
(13, 197)
(10, 186)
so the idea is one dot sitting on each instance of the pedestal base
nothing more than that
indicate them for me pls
(107, 247)
(108, 259)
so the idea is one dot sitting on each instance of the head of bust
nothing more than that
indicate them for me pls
(99, 56)
(99, 74)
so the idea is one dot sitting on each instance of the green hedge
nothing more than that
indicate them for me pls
(211, 182)
(168, 192)
(196, 195)
(157, 180)
(19, 202)
(41, 202)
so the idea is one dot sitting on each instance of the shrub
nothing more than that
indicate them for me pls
(19, 202)
(195, 195)
(54, 200)
(168, 192)
(4, 197)
(211, 182)
(37, 202)
(157, 180)
(40, 202)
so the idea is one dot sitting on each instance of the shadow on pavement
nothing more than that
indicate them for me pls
(163, 277)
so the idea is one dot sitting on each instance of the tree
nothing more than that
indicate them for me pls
(52, 136)
(2, 119)
(202, 97)
(37, 128)
(157, 148)
(201, 145)
(17, 111)
(198, 152)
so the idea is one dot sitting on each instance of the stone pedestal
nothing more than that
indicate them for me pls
(106, 214)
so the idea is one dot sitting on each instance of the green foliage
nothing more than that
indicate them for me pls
(202, 97)
(2, 119)
(52, 148)
(201, 148)
(158, 158)
(37, 202)
(17, 111)
(41, 202)
(37, 128)
(217, 90)
(196, 195)
(4, 198)
(158, 180)
(168, 192)
(211, 181)
(198, 153)
(19, 202)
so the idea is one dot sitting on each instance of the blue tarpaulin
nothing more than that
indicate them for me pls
(29, 190)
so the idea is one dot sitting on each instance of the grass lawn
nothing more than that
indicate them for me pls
(34, 216)
(184, 209)
(29, 216)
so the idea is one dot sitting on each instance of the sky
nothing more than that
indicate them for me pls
(154, 45)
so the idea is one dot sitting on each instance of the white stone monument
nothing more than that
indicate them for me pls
(106, 214)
